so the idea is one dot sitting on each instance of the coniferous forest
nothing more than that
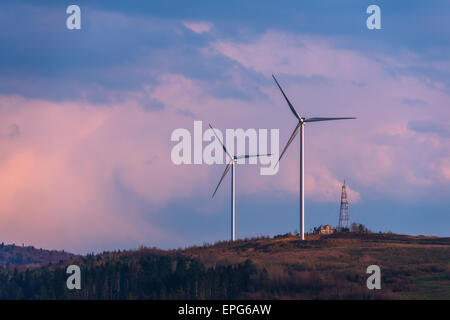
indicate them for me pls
(136, 277)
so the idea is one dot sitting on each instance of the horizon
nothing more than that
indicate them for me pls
(86, 118)
(220, 242)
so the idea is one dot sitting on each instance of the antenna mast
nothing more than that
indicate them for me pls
(343, 214)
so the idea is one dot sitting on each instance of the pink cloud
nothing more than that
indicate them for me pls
(377, 151)
(295, 55)
(198, 26)
(59, 175)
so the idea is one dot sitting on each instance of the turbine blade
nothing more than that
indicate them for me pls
(223, 146)
(326, 119)
(253, 155)
(223, 176)
(287, 100)
(296, 130)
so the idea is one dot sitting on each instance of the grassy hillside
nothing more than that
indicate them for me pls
(334, 266)
(327, 267)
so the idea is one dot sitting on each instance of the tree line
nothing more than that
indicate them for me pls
(137, 276)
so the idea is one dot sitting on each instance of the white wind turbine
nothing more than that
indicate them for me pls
(300, 127)
(232, 165)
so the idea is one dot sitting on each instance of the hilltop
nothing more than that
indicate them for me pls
(29, 257)
(322, 267)
(334, 266)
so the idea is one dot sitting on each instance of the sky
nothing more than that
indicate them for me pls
(86, 118)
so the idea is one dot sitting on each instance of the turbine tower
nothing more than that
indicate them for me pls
(300, 128)
(343, 213)
(232, 165)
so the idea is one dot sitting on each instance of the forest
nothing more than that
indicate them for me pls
(140, 276)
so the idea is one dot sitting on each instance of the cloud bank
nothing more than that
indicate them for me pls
(82, 175)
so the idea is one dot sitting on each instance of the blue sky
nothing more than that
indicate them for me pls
(86, 117)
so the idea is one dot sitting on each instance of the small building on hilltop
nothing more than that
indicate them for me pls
(324, 229)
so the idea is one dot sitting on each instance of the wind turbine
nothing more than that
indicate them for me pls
(232, 165)
(301, 127)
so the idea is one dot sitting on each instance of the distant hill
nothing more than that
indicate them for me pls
(29, 257)
(322, 267)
